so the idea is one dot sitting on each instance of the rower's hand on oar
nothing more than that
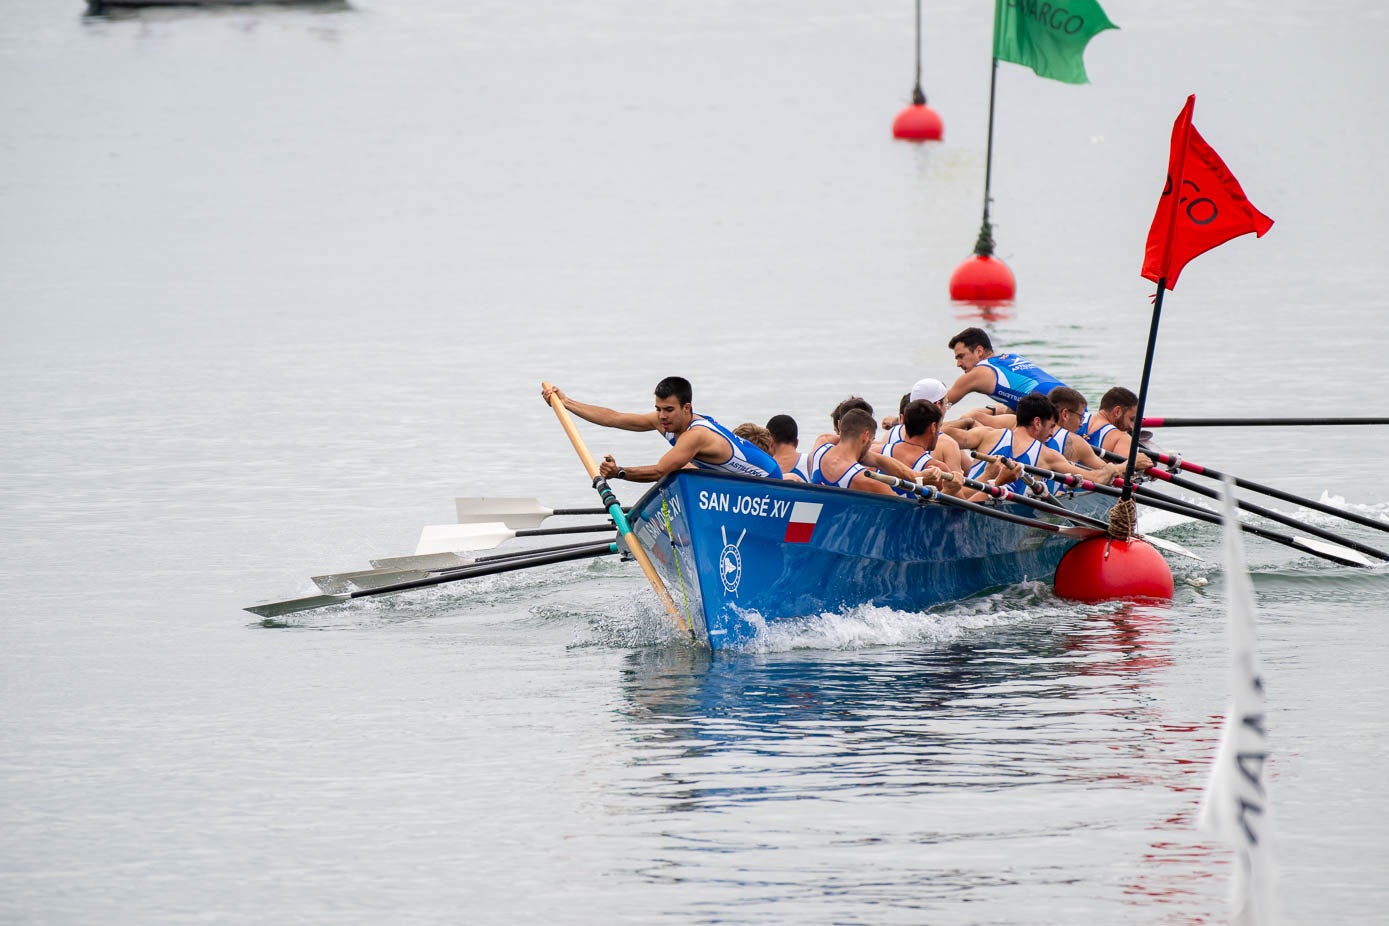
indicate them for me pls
(1108, 473)
(1010, 471)
(549, 389)
(609, 469)
(929, 476)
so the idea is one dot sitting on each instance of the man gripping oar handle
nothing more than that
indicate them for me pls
(1123, 516)
(610, 502)
(929, 494)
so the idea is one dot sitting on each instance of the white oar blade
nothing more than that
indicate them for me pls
(462, 538)
(429, 561)
(516, 513)
(276, 608)
(365, 579)
(386, 577)
(1170, 547)
(1332, 551)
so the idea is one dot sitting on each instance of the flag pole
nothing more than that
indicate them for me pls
(1143, 391)
(984, 247)
(918, 97)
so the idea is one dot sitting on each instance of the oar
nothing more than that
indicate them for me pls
(930, 494)
(610, 502)
(1172, 460)
(1057, 510)
(403, 568)
(1255, 422)
(513, 512)
(276, 608)
(1157, 500)
(460, 538)
(1271, 515)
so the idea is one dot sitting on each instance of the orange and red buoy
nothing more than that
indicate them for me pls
(982, 278)
(1103, 569)
(918, 122)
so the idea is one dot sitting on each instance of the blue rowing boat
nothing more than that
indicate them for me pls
(737, 552)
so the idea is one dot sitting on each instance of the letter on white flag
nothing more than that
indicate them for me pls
(1236, 802)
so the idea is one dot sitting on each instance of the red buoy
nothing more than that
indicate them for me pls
(918, 122)
(982, 278)
(1100, 569)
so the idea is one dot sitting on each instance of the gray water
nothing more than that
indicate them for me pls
(279, 283)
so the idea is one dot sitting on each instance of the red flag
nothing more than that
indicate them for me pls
(1202, 206)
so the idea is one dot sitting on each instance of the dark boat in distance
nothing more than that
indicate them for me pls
(106, 7)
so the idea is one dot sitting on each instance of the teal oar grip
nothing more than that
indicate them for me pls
(609, 500)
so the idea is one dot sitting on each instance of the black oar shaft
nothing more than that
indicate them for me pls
(1175, 506)
(1036, 504)
(1270, 491)
(935, 495)
(1271, 515)
(587, 551)
(1256, 422)
(577, 529)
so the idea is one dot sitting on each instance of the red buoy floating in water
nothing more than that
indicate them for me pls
(918, 122)
(982, 278)
(1101, 569)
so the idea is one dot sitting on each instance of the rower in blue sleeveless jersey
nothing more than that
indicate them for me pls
(1006, 377)
(842, 463)
(786, 442)
(1026, 443)
(1111, 428)
(694, 439)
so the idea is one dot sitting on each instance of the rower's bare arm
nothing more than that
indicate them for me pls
(687, 448)
(1050, 459)
(990, 416)
(604, 417)
(980, 379)
(890, 466)
(1078, 451)
(863, 483)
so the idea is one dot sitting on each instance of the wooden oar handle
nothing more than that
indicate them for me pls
(566, 421)
(633, 545)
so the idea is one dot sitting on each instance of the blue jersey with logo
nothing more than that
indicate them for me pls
(1015, 377)
(744, 458)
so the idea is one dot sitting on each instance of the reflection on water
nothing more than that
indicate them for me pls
(983, 313)
(1011, 718)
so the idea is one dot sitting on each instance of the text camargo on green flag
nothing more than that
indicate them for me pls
(1050, 38)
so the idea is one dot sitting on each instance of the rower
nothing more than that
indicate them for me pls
(1026, 443)
(756, 435)
(1111, 428)
(786, 441)
(875, 459)
(1006, 377)
(842, 462)
(694, 439)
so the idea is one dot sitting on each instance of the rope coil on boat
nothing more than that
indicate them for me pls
(1123, 519)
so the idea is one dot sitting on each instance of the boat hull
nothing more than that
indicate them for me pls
(738, 552)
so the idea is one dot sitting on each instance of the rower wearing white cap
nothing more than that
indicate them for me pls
(932, 390)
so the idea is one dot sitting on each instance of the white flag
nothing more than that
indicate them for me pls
(1236, 803)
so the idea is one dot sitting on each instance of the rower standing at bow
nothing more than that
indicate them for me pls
(694, 439)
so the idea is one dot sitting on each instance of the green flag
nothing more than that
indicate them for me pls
(1050, 38)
